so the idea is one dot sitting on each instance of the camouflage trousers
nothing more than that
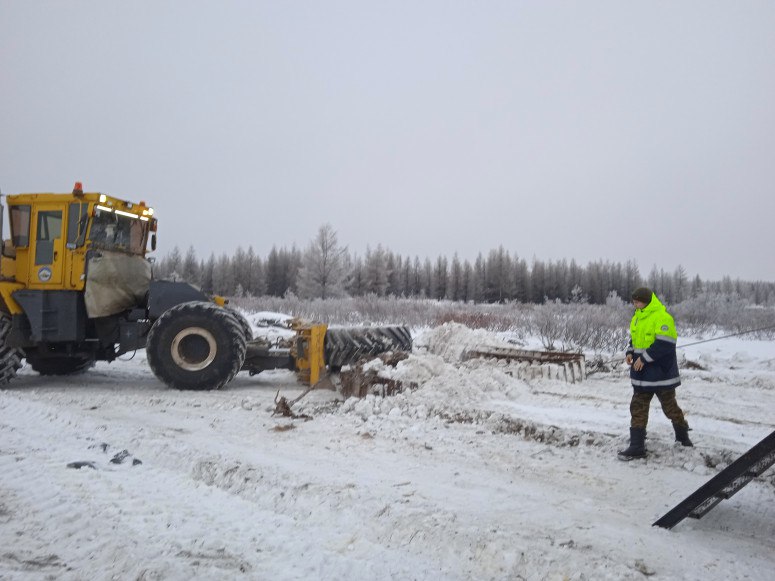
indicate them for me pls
(639, 408)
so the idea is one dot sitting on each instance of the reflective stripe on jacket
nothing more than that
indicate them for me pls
(653, 338)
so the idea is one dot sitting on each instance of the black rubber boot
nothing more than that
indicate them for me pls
(682, 435)
(637, 447)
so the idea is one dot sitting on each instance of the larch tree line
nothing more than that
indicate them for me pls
(325, 269)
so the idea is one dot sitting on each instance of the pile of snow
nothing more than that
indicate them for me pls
(441, 382)
(441, 388)
(451, 341)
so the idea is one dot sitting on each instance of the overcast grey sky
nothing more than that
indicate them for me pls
(587, 130)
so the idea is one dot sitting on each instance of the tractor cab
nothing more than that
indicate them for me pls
(74, 279)
(53, 236)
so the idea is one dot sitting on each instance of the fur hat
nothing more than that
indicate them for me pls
(642, 294)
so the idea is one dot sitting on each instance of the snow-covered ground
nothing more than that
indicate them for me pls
(476, 474)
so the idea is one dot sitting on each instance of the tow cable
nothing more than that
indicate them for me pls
(726, 336)
(613, 360)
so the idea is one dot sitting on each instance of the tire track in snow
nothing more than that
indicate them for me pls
(129, 511)
(410, 524)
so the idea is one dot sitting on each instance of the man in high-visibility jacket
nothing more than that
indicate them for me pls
(653, 370)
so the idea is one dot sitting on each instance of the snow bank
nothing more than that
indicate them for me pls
(451, 341)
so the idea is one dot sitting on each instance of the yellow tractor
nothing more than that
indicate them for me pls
(76, 287)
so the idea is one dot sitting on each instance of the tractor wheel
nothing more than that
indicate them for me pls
(345, 346)
(10, 357)
(196, 345)
(246, 328)
(60, 365)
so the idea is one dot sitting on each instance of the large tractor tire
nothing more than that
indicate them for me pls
(246, 328)
(346, 346)
(60, 365)
(10, 357)
(196, 345)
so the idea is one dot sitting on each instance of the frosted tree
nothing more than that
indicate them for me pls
(577, 295)
(556, 280)
(478, 284)
(376, 271)
(615, 278)
(632, 278)
(356, 279)
(661, 283)
(322, 272)
(172, 265)
(293, 265)
(653, 280)
(680, 284)
(273, 273)
(256, 281)
(575, 275)
(190, 268)
(428, 286)
(417, 277)
(281, 270)
(223, 276)
(394, 287)
(468, 287)
(594, 282)
(440, 278)
(522, 280)
(697, 288)
(540, 289)
(499, 280)
(407, 277)
(241, 270)
(455, 290)
(207, 269)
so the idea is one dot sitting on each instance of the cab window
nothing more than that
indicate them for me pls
(113, 231)
(138, 232)
(20, 225)
(77, 217)
(49, 230)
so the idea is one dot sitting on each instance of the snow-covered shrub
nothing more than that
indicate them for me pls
(581, 327)
(549, 324)
(716, 314)
(569, 327)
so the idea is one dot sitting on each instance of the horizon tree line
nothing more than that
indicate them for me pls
(325, 269)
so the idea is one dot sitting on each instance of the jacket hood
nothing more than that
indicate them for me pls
(654, 306)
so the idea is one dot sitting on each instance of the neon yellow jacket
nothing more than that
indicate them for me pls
(653, 338)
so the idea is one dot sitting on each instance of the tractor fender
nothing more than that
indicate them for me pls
(165, 294)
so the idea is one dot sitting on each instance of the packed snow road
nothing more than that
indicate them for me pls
(473, 475)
